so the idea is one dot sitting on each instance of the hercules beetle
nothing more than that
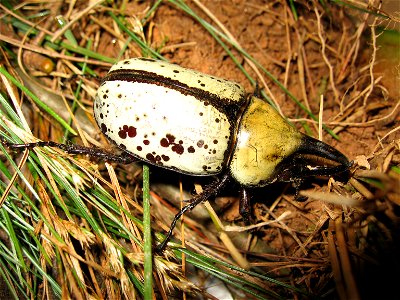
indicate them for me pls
(200, 125)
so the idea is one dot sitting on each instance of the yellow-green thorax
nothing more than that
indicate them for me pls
(264, 139)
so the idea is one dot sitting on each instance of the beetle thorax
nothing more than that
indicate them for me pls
(264, 139)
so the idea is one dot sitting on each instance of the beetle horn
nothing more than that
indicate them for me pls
(314, 147)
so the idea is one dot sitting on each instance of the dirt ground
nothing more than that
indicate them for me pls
(335, 57)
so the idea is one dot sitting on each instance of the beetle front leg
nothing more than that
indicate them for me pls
(244, 206)
(296, 185)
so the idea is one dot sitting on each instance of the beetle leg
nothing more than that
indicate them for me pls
(296, 185)
(210, 190)
(244, 206)
(123, 158)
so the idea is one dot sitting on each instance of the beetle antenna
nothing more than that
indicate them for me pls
(123, 158)
(210, 190)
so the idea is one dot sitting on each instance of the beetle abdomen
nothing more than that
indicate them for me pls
(166, 121)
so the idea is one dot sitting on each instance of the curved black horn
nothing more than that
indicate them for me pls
(315, 147)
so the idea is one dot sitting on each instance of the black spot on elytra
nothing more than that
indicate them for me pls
(155, 159)
(164, 142)
(127, 131)
(122, 134)
(178, 149)
(103, 128)
(150, 157)
(170, 137)
(146, 142)
(200, 143)
(169, 140)
(191, 149)
(139, 148)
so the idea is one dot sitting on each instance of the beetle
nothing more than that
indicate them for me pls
(201, 125)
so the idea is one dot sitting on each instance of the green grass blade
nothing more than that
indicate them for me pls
(148, 255)
(40, 103)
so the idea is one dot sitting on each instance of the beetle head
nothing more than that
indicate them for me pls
(311, 158)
